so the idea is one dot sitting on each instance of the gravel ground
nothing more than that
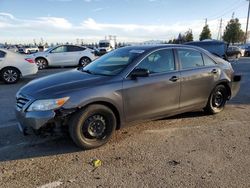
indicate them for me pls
(188, 150)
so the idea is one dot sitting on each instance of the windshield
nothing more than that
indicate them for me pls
(113, 63)
(48, 49)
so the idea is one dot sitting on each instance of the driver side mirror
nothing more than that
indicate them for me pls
(139, 72)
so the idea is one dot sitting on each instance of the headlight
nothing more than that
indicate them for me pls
(48, 104)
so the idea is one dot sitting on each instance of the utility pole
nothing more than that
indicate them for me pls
(219, 36)
(205, 21)
(247, 21)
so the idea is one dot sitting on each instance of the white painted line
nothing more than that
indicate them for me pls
(51, 185)
(11, 124)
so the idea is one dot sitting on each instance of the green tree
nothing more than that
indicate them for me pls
(233, 32)
(206, 33)
(181, 39)
(189, 36)
(170, 42)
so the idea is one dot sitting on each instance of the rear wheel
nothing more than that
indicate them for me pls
(41, 63)
(84, 61)
(92, 127)
(217, 100)
(10, 75)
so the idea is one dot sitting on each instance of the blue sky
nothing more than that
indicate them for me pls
(131, 20)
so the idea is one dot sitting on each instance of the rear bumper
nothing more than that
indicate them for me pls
(34, 120)
(235, 85)
(30, 71)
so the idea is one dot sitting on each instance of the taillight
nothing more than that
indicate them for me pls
(29, 60)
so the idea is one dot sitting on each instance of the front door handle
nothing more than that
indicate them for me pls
(214, 71)
(174, 79)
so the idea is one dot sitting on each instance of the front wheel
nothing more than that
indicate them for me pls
(217, 100)
(92, 127)
(10, 75)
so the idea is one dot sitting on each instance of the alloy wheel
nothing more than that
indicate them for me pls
(41, 63)
(10, 76)
(84, 61)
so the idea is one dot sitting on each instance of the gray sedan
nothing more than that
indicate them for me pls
(125, 85)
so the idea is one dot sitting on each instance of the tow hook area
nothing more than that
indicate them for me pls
(237, 78)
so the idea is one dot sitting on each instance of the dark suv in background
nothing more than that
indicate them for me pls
(215, 47)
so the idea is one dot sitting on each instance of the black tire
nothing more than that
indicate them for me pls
(10, 75)
(92, 127)
(84, 61)
(41, 63)
(217, 100)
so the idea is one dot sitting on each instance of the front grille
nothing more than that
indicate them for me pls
(21, 102)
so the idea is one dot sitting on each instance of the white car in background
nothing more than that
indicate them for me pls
(64, 55)
(14, 65)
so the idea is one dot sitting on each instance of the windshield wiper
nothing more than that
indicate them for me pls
(94, 73)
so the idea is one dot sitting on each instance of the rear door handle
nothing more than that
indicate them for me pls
(214, 71)
(174, 79)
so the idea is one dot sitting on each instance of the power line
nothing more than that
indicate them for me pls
(226, 11)
(247, 21)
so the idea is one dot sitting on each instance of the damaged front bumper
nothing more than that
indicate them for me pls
(33, 120)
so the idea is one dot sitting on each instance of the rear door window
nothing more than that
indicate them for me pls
(75, 48)
(190, 59)
(208, 61)
(59, 49)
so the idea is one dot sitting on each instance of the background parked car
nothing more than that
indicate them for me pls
(235, 51)
(247, 51)
(64, 55)
(14, 65)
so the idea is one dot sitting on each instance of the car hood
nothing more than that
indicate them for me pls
(60, 83)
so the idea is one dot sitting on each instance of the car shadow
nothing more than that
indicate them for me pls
(187, 115)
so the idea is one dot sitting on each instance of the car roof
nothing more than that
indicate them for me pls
(212, 42)
(160, 46)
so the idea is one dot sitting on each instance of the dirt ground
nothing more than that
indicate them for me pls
(188, 150)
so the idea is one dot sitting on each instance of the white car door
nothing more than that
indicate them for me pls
(58, 56)
(74, 54)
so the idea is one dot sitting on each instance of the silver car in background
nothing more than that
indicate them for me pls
(64, 55)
